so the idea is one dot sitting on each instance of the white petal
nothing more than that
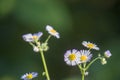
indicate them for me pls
(28, 37)
(48, 28)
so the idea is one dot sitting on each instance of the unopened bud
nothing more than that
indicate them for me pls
(107, 54)
(86, 73)
(36, 49)
(44, 46)
(103, 61)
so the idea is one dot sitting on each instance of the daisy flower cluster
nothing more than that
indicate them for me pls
(82, 58)
(34, 39)
(38, 46)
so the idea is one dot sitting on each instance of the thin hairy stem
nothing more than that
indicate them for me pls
(44, 64)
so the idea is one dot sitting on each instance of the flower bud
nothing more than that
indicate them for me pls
(36, 49)
(86, 73)
(107, 54)
(103, 61)
(44, 46)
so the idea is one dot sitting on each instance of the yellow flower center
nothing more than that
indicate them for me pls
(83, 58)
(72, 57)
(35, 37)
(90, 45)
(29, 76)
(53, 31)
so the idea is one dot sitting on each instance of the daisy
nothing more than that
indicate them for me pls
(52, 31)
(85, 56)
(71, 57)
(107, 54)
(90, 45)
(29, 76)
(32, 37)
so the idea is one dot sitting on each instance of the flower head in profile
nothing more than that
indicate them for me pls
(107, 54)
(32, 37)
(71, 57)
(29, 76)
(52, 31)
(85, 56)
(90, 45)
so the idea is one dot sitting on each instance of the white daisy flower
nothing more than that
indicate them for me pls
(52, 31)
(90, 45)
(32, 37)
(29, 76)
(107, 54)
(85, 56)
(71, 57)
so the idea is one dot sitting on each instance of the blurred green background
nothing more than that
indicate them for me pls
(96, 21)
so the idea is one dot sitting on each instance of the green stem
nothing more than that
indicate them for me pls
(80, 67)
(47, 38)
(89, 49)
(82, 71)
(31, 44)
(92, 62)
(44, 64)
(83, 74)
(84, 65)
